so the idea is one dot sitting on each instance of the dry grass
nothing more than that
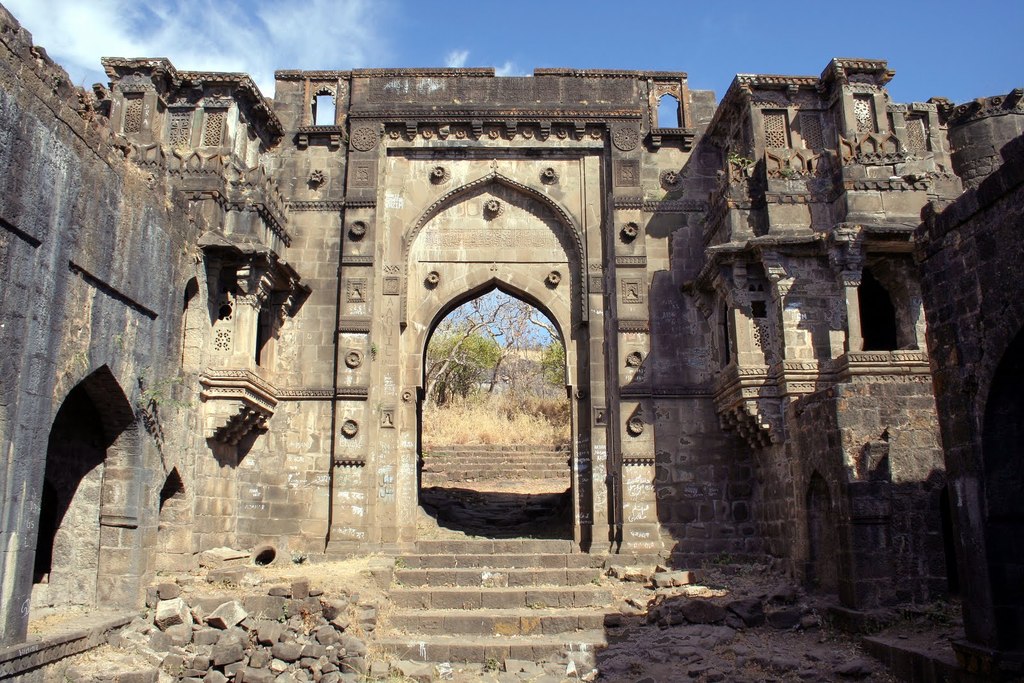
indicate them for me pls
(497, 419)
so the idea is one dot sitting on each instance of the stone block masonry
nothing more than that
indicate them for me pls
(216, 307)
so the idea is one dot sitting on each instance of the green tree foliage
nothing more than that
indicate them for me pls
(495, 344)
(464, 361)
(552, 363)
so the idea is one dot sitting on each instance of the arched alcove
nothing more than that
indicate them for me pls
(1003, 455)
(94, 420)
(822, 543)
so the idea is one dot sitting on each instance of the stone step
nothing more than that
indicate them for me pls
(498, 622)
(502, 561)
(491, 546)
(443, 477)
(498, 462)
(471, 598)
(492, 578)
(581, 645)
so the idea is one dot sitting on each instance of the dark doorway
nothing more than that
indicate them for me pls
(77, 447)
(877, 315)
(822, 567)
(952, 573)
(1002, 446)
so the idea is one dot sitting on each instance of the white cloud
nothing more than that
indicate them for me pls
(256, 37)
(456, 59)
(508, 69)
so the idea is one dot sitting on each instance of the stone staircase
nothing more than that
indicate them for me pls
(443, 465)
(481, 600)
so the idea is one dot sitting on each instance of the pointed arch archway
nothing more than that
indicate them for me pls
(496, 233)
(88, 546)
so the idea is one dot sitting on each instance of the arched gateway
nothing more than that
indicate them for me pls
(445, 229)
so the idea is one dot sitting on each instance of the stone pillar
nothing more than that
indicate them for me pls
(851, 282)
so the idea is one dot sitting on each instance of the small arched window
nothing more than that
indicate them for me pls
(324, 108)
(669, 112)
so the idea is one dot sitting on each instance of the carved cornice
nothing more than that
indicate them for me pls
(358, 261)
(633, 325)
(608, 73)
(631, 261)
(352, 393)
(842, 69)
(295, 394)
(299, 75)
(356, 324)
(985, 107)
(426, 72)
(317, 205)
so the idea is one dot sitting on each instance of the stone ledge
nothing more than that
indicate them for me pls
(39, 651)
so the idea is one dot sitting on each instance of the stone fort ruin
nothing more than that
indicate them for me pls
(215, 308)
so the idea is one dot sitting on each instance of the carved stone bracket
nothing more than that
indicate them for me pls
(236, 402)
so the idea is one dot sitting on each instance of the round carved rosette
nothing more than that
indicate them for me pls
(626, 138)
(629, 231)
(316, 178)
(553, 278)
(634, 359)
(549, 176)
(408, 396)
(433, 279)
(635, 426)
(353, 359)
(364, 138)
(357, 230)
(439, 175)
(493, 208)
(671, 180)
(349, 428)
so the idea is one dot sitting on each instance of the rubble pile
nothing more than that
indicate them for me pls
(290, 634)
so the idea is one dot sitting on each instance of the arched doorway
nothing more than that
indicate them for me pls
(1003, 453)
(496, 234)
(78, 483)
(495, 427)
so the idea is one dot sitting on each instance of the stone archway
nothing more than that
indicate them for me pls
(88, 545)
(1002, 451)
(497, 234)
(506, 471)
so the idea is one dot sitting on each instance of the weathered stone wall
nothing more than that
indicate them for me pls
(94, 259)
(969, 257)
(875, 444)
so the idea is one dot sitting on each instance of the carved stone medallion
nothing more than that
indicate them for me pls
(364, 138)
(626, 138)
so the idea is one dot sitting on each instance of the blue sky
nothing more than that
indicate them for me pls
(960, 50)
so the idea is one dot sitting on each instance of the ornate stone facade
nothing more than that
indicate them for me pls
(250, 294)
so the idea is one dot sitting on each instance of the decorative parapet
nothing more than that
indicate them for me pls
(220, 177)
(883, 366)
(237, 402)
(872, 149)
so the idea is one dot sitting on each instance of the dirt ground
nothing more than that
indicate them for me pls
(647, 641)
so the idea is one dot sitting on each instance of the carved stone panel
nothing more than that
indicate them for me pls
(632, 290)
(627, 173)
(362, 173)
